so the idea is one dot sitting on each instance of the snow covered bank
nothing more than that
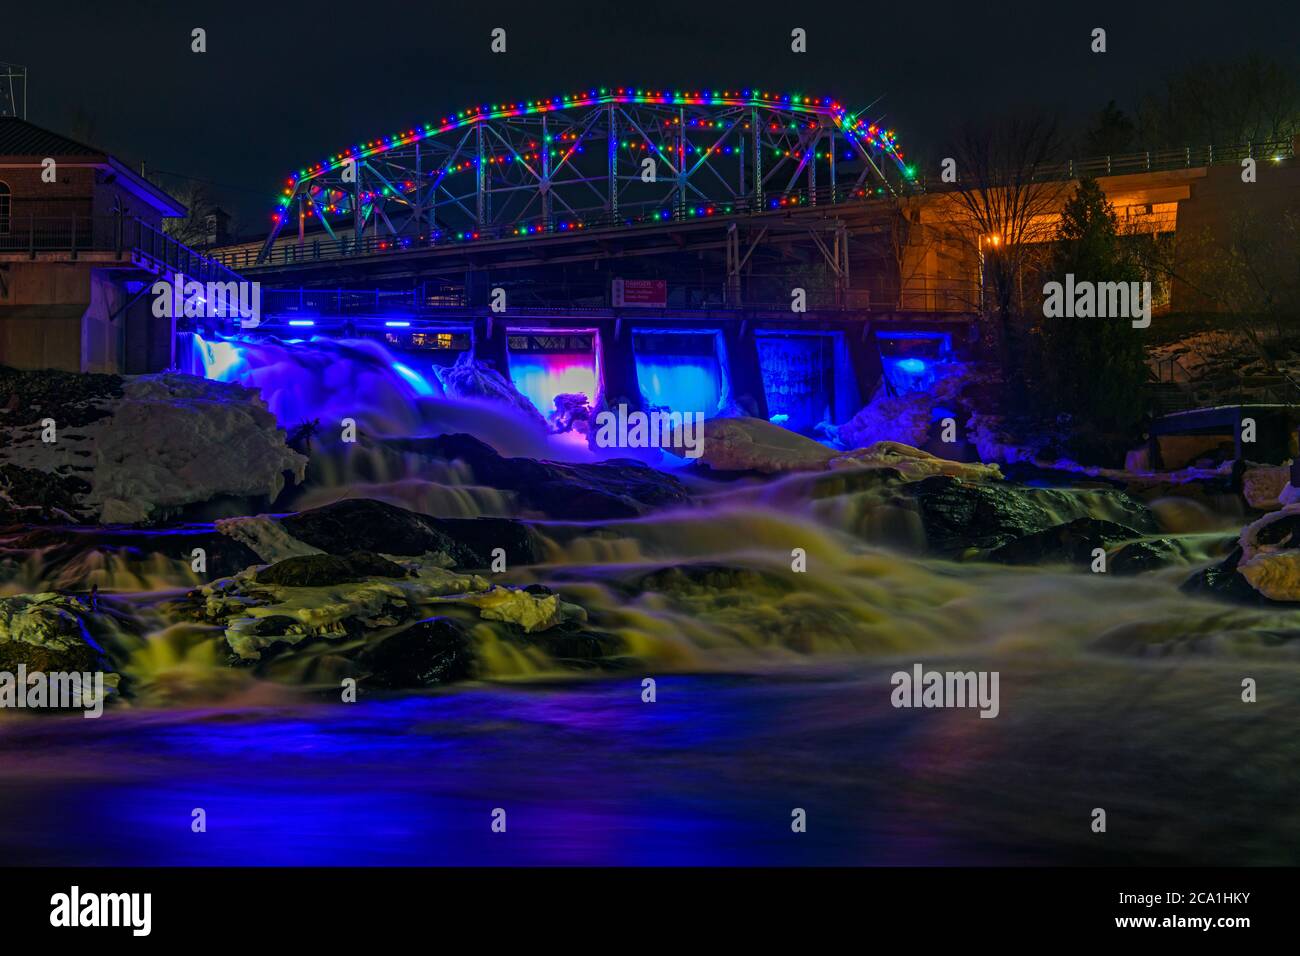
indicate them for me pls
(133, 450)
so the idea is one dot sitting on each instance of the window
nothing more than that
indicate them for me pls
(4, 208)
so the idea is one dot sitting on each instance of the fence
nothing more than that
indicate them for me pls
(125, 237)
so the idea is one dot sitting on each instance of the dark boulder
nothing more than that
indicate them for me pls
(710, 578)
(1224, 581)
(481, 536)
(612, 489)
(574, 646)
(1072, 542)
(1029, 473)
(960, 515)
(60, 546)
(433, 651)
(1138, 557)
(848, 481)
(276, 624)
(363, 524)
(320, 570)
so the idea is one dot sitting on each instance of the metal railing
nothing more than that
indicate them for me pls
(415, 302)
(1188, 157)
(123, 236)
(32, 234)
(1145, 161)
(320, 247)
(1171, 377)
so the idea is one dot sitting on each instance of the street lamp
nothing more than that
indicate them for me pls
(994, 240)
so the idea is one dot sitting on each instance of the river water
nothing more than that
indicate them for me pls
(773, 694)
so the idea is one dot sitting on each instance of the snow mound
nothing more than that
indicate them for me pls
(1270, 554)
(167, 441)
(751, 444)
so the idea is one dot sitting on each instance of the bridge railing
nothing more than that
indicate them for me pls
(124, 237)
(433, 303)
(1151, 161)
(321, 247)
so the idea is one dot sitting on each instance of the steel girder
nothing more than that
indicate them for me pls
(603, 159)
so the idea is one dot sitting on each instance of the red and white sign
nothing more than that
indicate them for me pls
(642, 293)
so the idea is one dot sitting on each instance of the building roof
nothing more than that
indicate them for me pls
(21, 138)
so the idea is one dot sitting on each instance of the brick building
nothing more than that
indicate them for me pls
(81, 244)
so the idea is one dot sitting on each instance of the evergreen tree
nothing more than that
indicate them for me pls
(1093, 369)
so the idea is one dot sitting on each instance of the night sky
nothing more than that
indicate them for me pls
(285, 83)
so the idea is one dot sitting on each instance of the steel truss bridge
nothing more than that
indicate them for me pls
(603, 159)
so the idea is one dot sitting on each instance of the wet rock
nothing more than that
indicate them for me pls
(1138, 557)
(272, 624)
(481, 536)
(436, 650)
(960, 515)
(363, 524)
(45, 632)
(350, 609)
(1223, 581)
(366, 524)
(1072, 542)
(710, 578)
(573, 645)
(613, 489)
(321, 570)
(848, 481)
(1045, 476)
(65, 552)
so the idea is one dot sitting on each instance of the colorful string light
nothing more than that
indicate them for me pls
(853, 128)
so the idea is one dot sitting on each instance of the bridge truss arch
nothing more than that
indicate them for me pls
(606, 158)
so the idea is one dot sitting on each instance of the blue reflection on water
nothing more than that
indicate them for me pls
(587, 774)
